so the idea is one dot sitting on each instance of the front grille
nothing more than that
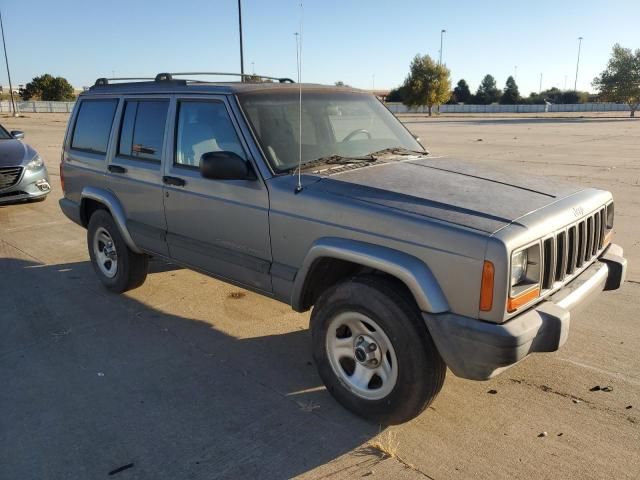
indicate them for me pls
(570, 248)
(9, 176)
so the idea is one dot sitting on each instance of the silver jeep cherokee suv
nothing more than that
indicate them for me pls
(411, 263)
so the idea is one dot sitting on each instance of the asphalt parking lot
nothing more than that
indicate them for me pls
(187, 377)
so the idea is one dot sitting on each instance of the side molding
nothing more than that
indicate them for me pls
(413, 272)
(110, 201)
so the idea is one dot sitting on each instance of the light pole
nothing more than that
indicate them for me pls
(575, 85)
(241, 49)
(442, 32)
(6, 59)
(540, 91)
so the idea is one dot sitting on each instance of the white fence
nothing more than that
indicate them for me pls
(66, 107)
(38, 107)
(495, 108)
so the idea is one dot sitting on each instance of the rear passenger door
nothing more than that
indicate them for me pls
(220, 226)
(135, 170)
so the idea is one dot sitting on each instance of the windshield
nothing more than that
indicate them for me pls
(344, 124)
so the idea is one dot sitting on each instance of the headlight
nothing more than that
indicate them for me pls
(36, 164)
(518, 267)
(525, 269)
(610, 215)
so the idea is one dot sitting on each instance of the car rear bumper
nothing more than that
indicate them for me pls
(479, 350)
(30, 186)
(71, 210)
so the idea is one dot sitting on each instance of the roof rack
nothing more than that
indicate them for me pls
(168, 77)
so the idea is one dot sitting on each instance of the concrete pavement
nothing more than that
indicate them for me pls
(187, 377)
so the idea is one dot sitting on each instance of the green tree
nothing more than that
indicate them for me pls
(487, 91)
(462, 93)
(48, 87)
(620, 81)
(510, 95)
(555, 95)
(427, 83)
(396, 95)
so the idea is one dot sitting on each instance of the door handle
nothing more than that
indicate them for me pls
(178, 182)
(116, 169)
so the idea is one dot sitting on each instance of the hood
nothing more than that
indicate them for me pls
(14, 153)
(450, 190)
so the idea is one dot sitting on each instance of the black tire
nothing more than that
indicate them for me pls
(132, 267)
(420, 369)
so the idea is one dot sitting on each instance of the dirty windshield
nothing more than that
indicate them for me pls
(334, 125)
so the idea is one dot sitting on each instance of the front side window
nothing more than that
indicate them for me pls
(142, 131)
(204, 127)
(333, 123)
(93, 125)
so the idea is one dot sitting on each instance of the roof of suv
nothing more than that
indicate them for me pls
(173, 86)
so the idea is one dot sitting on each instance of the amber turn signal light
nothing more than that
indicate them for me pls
(516, 302)
(486, 287)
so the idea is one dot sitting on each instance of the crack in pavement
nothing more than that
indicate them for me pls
(588, 403)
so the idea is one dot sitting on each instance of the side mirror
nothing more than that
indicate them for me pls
(17, 134)
(225, 166)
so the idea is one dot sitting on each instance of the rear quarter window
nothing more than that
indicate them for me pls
(93, 125)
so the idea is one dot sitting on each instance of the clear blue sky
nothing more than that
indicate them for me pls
(348, 40)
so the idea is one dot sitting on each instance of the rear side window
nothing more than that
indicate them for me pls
(93, 125)
(142, 131)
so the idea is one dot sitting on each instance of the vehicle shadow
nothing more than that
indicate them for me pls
(95, 382)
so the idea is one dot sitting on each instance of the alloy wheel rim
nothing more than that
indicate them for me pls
(361, 355)
(105, 253)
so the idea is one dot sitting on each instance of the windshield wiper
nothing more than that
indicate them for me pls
(398, 151)
(335, 160)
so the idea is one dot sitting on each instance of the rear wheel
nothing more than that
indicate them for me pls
(118, 267)
(374, 352)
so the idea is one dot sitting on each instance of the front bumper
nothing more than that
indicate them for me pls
(30, 186)
(480, 350)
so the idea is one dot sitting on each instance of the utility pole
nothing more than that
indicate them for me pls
(241, 49)
(6, 59)
(540, 90)
(515, 73)
(442, 32)
(575, 84)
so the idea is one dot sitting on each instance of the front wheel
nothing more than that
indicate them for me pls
(374, 352)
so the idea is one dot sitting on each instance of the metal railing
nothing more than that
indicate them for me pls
(67, 107)
(496, 108)
(38, 107)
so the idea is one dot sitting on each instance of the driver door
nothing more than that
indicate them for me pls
(219, 226)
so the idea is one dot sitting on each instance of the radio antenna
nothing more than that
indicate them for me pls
(299, 66)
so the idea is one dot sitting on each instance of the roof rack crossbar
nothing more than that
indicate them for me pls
(105, 81)
(169, 76)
